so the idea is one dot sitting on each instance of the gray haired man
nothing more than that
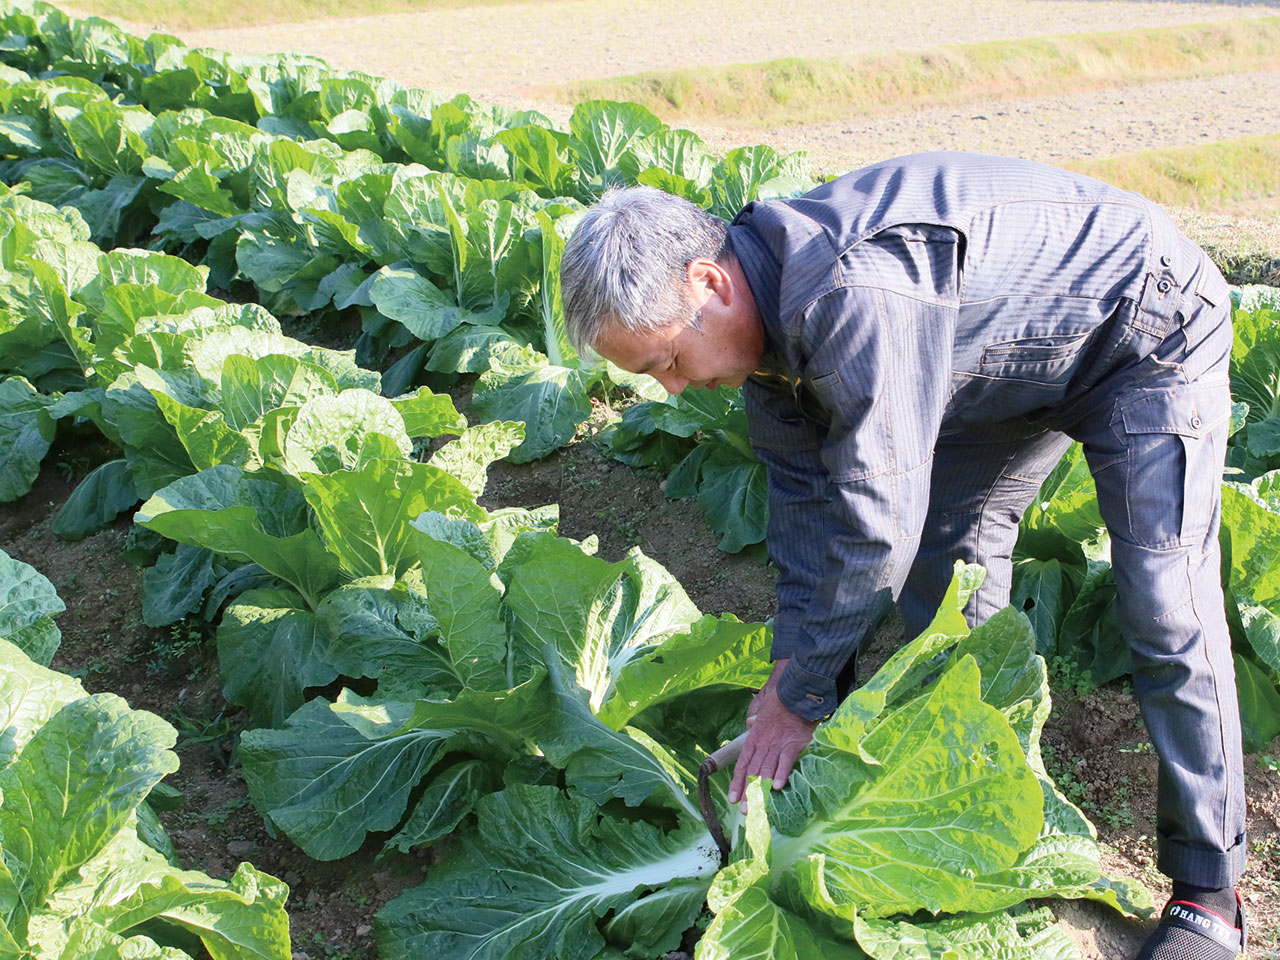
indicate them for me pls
(918, 342)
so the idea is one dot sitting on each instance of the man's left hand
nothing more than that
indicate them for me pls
(775, 739)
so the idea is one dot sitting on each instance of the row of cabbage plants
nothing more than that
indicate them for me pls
(438, 224)
(87, 868)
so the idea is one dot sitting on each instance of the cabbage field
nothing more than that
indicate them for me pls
(302, 314)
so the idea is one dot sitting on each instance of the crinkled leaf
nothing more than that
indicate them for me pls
(428, 414)
(1090, 633)
(550, 400)
(468, 458)
(175, 586)
(1262, 629)
(597, 617)
(735, 497)
(749, 924)
(1255, 360)
(382, 629)
(1040, 590)
(240, 917)
(252, 521)
(26, 433)
(601, 132)
(541, 158)
(210, 354)
(26, 598)
(1263, 438)
(365, 513)
(75, 785)
(1259, 706)
(974, 936)
(461, 593)
(403, 294)
(600, 762)
(271, 649)
(153, 453)
(30, 694)
(337, 771)
(330, 432)
(451, 795)
(535, 878)
(944, 793)
(251, 388)
(467, 349)
(711, 652)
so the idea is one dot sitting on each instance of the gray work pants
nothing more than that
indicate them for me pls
(1154, 434)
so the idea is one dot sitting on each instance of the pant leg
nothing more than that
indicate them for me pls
(1156, 448)
(982, 483)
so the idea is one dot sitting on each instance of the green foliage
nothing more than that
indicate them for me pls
(950, 812)
(701, 438)
(77, 875)
(28, 604)
(545, 702)
(336, 192)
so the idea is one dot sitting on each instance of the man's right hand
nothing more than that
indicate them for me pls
(775, 739)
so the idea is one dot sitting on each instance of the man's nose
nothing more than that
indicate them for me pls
(672, 382)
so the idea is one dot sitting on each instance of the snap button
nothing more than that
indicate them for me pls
(814, 697)
(1166, 260)
(1164, 286)
(1195, 423)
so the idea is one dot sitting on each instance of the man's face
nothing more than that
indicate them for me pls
(678, 356)
(723, 350)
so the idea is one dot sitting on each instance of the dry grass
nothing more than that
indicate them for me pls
(1240, 174)
(1225, 196)
(1246, 249)
(195, 15)
(811, 91)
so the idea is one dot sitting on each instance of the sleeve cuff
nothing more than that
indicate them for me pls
(807, 694)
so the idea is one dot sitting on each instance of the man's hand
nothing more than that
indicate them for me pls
(775, 738)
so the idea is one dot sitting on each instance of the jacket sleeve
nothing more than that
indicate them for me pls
(850, 496)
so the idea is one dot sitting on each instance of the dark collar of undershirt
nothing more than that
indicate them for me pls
(763, 273)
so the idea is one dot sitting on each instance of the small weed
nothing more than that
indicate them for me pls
(185, 636)
(1065, 674)
(94, 668)
(1266, 846)
(1116, 816)
(1119, 815)
(218, 818)
(1142, 746)
(625, 526)
(1268, 762)
(192, 730)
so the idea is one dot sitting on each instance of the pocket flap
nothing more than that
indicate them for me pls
(1192, 411)
(1212, 288)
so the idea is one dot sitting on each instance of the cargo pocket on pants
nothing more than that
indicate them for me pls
(1176, 440)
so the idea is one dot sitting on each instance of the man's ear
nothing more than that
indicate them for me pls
(708, 278)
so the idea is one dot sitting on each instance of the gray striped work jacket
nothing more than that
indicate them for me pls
(929, 294)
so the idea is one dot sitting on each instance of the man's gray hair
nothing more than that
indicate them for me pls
(626, 263)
